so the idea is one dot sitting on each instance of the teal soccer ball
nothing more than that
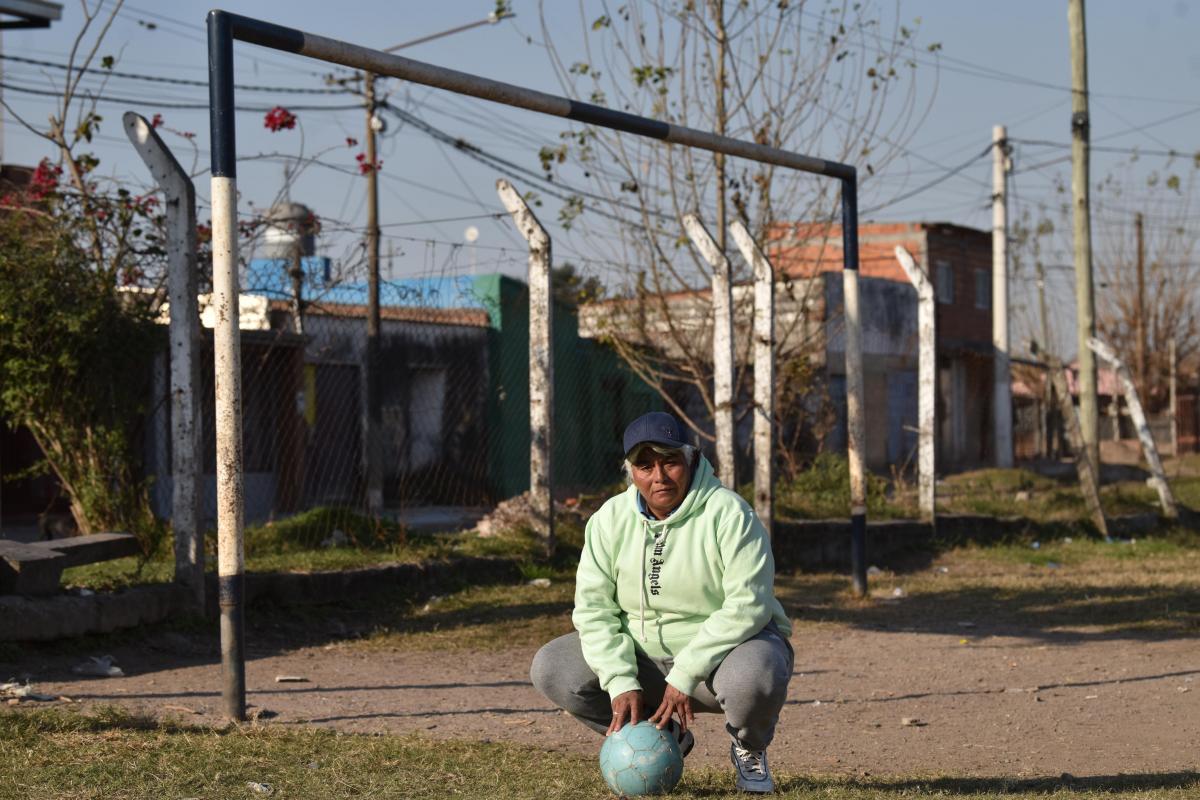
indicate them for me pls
(640, 759)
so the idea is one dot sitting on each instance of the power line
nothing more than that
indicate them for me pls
(162, 79)
(166, 104)
(945, 176)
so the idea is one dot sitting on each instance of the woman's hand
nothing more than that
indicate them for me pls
(674, 703)
(627, 704)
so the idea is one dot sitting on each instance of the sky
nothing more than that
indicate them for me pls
(998, 63)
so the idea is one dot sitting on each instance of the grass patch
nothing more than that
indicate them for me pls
(1062, 590)
(55, 754)
(823, 491)
(308, 542)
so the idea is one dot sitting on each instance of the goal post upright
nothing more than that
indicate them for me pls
(224, 28)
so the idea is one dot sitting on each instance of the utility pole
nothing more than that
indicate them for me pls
(1174, 398)
(1001, 372)
(1140, 323)
(372, 456)
(1085, 298)
(1047, 415)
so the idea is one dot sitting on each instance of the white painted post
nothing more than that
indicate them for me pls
(722, 306)
(1129, 388)
(541, 360)
(230, 477)
(764, 374)
(926, 383)
(180, 209)
(1001, 374)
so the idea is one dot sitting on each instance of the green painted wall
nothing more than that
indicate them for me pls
(595, 396)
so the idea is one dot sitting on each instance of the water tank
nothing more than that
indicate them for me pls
(290, 226)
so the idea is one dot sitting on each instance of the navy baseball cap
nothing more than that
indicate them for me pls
(657, 427)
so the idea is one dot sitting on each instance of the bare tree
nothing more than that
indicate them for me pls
(800, 76)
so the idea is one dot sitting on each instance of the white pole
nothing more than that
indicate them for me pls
(180, 208)
(1001, 375)
(541, 360)
(926, 383)
(230, 484)
(764, 373)
(722, 307)
(1165, 498)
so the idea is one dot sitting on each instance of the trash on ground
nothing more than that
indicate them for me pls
(181, 709)
(1022, 496)
(943, 570)
(24, 691)
(1036, 545)
(260, 788)
(966, 624)
(99, 666)
(913, 722)
(541, 583)
(432, 601)
(290, 679)
(1067, 540)
(874, 570)
(1052, 565)
(899, 592)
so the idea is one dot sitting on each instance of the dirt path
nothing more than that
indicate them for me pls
(989, 705)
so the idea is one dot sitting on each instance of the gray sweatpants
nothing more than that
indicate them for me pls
(749, 686)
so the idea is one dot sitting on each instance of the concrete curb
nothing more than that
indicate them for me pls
(33, 619)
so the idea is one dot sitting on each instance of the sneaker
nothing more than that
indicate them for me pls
(753, 774)
(685, 739)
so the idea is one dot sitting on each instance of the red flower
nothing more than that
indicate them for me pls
(44, 180)
(351, 141)
(365, 167)
(156, 121)
(279, 118)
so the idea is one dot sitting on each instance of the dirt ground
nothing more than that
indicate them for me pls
(978, 702)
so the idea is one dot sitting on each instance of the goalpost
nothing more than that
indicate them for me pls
(223, 29)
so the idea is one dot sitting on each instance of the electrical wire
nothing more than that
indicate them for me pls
(162, 79)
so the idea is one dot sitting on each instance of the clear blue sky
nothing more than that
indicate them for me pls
(1144, 68)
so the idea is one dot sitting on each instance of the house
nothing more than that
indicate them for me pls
(454, 384)
(959, 262)
(808, 324)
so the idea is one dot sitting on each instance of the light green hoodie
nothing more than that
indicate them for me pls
(688, 588)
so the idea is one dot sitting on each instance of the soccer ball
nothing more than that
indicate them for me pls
(640, 759)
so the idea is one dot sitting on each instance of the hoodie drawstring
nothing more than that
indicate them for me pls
(642, 582)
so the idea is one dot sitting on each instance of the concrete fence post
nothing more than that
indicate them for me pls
(722, 309)
(926, 384)
(1129, 389)
(764, 374)
(180, 209)
(541, 361)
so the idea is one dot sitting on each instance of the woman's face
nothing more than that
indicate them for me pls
(662, 480)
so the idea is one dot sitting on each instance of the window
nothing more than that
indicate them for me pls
(945, 282)
(983, 289)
